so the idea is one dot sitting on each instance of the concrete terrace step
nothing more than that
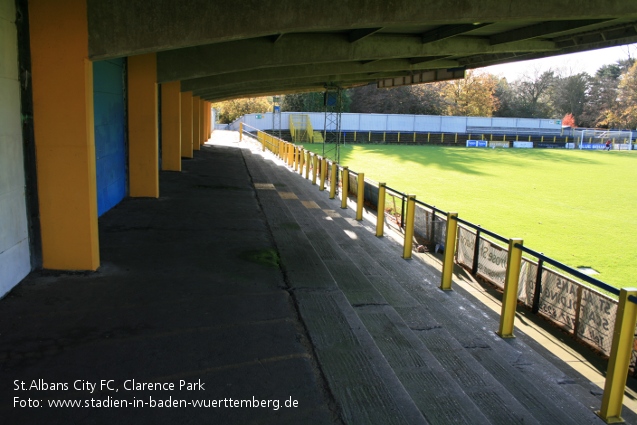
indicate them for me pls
(360, 379)
(452, 365)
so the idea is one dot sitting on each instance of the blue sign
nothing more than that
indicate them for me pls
(592, 146)
(277, 109)
(477, 143)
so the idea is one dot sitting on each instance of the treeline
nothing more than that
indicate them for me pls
(607, 99)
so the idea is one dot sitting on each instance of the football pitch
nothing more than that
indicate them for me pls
(577, 207)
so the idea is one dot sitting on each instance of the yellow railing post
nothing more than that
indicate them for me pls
(620, 354)
(344, 188)
(291, 148)
(314, 168)
(301, 160)
(323, 174)
(334, 176)
(450, 250)
(360, 196)
(240, 131)
(308, 161)
(380, 210)
(409, 226)
(510, 296)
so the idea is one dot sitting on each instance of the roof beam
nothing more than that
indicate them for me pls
(540, 30)
(220, 97)
(621, 34)
(448, 31)
(302, 82)
(284, 72)
(300, 49)
(427, 59)
(361, 33)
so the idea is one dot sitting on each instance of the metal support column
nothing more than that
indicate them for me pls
(332, 128)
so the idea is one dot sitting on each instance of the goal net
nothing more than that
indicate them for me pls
(598, 139)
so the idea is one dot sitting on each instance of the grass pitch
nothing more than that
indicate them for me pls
(577, 207)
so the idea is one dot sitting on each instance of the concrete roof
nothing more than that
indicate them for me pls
(226, 49)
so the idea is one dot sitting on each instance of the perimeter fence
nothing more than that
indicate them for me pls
(572, 300)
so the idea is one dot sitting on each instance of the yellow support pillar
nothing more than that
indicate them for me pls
(380, 210)
(619, 360)
(186, 124)
(209, 119)
(143, 150)
(360, 196)
(510, 296)
(308, 161)
(301, 160)
(323, 174)
(450, 250)
(64, 134)
(196, 116)
(334, 176)
(344, 188)
(170, 126)
(202, 122)
(409, 226)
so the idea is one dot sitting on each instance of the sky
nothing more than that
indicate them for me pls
(570, 64)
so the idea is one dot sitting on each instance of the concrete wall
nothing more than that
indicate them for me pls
(15, 262)
(408, 123)
(110, 133)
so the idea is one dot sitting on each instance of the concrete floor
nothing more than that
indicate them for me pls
(243, 282)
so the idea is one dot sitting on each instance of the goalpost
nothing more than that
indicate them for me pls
(597, 139)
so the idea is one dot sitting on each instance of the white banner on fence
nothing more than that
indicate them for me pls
(466, 246)
(622, 146)
(596, 319)
(492, 263)
(498, 144)
(524, 145)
